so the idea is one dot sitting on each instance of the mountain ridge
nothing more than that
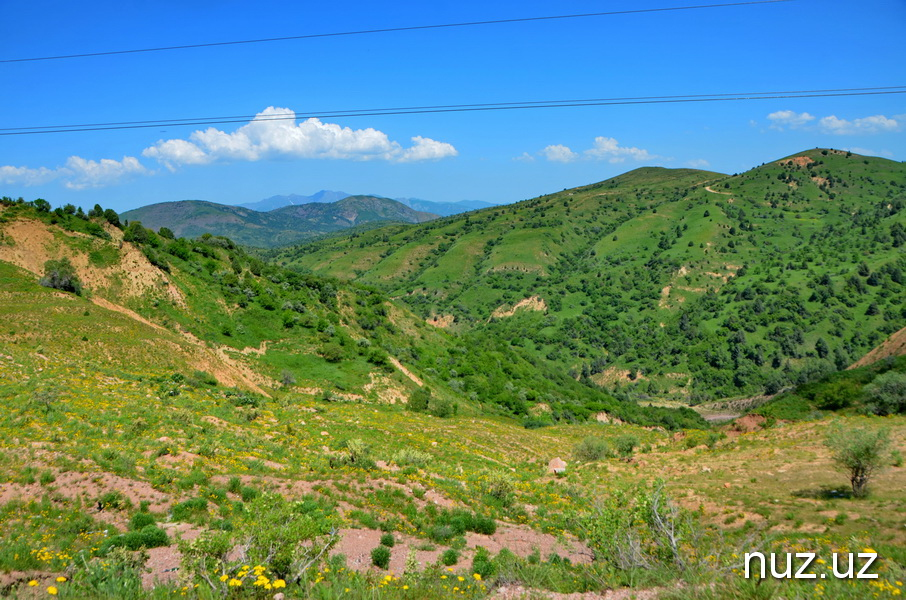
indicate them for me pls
(285, 225)
(677, 283)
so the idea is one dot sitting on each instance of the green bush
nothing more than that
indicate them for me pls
(150, 536)
(380, 557)
(192, 509)
(388, 540)
(593, 448)
(626, 445)
(449, 557)
(483, 564)
(887, 394)
(411, 456)
(140, 520)
(61, 275)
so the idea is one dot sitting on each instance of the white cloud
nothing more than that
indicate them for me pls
(78, 173)
(27, 176)
(177, 152)
(698, 163)
(427, 149)
(82, 173)
(559, 153)
(873, 124)
(605, 148)
(275, 133)
(831, 124)
(609, 149)
(788, 118)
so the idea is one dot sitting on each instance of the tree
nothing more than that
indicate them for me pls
(887, 394)
(61, 275)
(42, 205)
(860, 452)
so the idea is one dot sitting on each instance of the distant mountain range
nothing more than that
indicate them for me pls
(275, 202)
(288, 224)
(443, 209)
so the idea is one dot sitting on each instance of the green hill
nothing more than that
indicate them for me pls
(199, 423)
(282, 226)
(672, 284)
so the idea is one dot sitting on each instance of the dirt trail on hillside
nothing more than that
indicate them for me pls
(713, 191)
(227, 370)
(895, 345)
(406, 371)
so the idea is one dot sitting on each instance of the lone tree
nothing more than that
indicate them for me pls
(61, 275)
(860, 452)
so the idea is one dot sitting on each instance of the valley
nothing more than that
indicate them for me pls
(378, 411)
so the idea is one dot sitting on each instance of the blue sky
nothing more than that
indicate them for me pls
(496, 156)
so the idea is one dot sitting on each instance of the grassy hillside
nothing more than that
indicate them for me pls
(254, 325)
(199, 423)
(281, 226)
(678, 284)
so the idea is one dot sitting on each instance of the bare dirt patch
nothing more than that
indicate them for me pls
(612, 375)
(442, 321)
(34, 243)
(799, 161)
(536, 303)
(895, 345)
(518, 592)
(385, 389)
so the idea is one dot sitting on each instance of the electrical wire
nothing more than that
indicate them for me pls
(390, 30)
(454, 108)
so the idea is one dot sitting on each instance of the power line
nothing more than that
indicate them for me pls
(411, 109)
(392, 30)
(869, 91)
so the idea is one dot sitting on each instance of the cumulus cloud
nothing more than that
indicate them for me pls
(559, 153)
(609, 149)
(788, 118)
(873, 124)
(274, 133)
(26, 176)
(427, 149)
(78, 173)
(604, 148)
(82, 173)
(698, 163)
(831, 124)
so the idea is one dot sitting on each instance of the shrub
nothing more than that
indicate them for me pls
(388, 540)
(592, 448)
(61, 275)
(150, 536)
(500, 486)
(626, 445)
(482, 563)
(860, 452)
(193, 509)
(274, 532)
(887, 394)
(419, 400)
(449, 557)
(411, 456)
(443, 408)
(380, 557)
(140, 520)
